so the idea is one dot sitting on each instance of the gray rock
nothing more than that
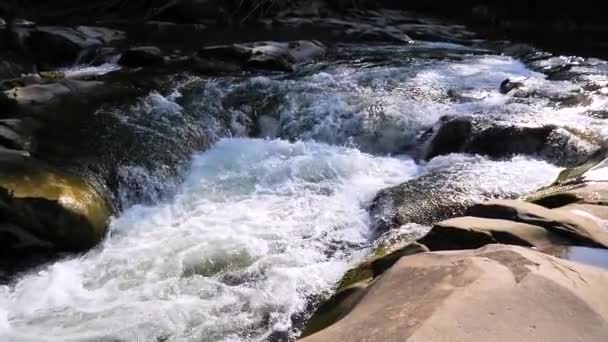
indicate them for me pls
(142, 56)
(56, 46)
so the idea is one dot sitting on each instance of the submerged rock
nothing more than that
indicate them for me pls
(507, 292)
(44, 207)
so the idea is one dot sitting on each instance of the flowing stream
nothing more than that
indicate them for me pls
(259, 228)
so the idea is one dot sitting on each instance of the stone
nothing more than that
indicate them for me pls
(41, 203)
(450, 137)
(103, 34)
(561, 145)
(61, 100)
(474, 232)
(142, 56)
(353, 286)
(507, 85)
(59, 46)
(507, 293)
(276, 56)
(579, 229)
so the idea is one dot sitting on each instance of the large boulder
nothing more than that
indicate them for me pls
(504, 293)
(581, 229)
(42, 207)
(561, 145)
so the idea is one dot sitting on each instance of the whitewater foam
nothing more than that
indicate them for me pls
(256, 229)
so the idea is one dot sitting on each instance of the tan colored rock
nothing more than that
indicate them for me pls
(599, 212)
(580, 229)
(474, 232)
(497, 293)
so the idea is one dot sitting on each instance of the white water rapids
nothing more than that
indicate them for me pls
(260, 227)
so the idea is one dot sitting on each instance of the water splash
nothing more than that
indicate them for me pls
(256, 228)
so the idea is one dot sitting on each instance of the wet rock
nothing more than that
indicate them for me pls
(501, 141)
(580, 229)
(474, 232)
(512, 293)
(562, 146)
(450, 137)
(43, 207)
(58, 101)
(508, 85)
(279, 56)
(427, 199)
(142, 56)
(56, 46)
(103, 34)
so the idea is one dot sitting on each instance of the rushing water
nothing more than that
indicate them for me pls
(260, 227)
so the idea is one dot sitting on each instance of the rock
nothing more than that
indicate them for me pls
(591, 210)
(474, 232)
(560, 195)
(450, 137)
(19, 134)
(59, 101)
(562, 146)
(57, 46)
(142, 56)
(48, 208)
(506, 292)
(580, 229)
(508, 85)
(501, 141)
(353, 286)
(103, 34)
(278, 56)
(283, 56)
(424, 200)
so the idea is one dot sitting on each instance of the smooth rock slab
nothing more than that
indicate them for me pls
(474, 232)
(580, 229)
(497, 293)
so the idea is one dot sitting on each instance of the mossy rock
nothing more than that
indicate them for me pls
(47, 207)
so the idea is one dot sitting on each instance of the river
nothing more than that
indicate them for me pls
(259, 228)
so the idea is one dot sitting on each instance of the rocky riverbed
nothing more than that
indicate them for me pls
(332, 175)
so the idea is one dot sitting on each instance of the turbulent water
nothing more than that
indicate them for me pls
(260, 227)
